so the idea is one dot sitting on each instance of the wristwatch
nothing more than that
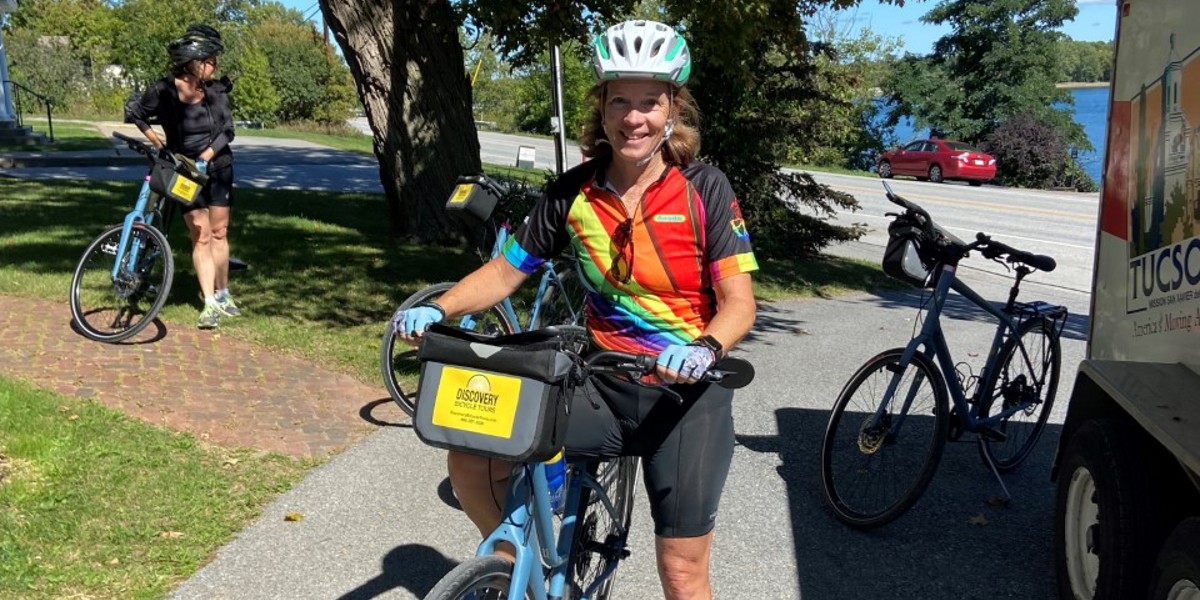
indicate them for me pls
(711, 343)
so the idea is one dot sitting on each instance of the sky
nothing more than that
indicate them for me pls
(1096, 21)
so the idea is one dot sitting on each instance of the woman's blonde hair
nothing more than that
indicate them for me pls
(682, 148)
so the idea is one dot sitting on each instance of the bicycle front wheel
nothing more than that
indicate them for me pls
(398, 359)
(481, 577)
(599, 534)
(1026, 377)
(109, 308)
(868, 476)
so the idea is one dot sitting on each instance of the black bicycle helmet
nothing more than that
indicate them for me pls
(192, 47)
(204, 32)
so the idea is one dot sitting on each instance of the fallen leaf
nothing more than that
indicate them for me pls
(170, 535)
(977, 520)
(73, 418)
(229, 462)
(293, 517)
(114, 562)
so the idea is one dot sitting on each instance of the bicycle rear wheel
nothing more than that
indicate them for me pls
(111, 309)
(599, 534)
(398, 359)
(1017, 382)
(480, 578)
(866, 477)
(562, 304)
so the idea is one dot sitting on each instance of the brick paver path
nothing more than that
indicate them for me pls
(219, 388)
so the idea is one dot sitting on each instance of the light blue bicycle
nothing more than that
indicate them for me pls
(558, 300)
(125, 274)
(573, 554)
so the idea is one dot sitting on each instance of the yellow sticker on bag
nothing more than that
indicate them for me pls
(461, 191)
(477, 402)
(184, 189)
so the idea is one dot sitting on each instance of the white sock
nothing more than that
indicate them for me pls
(210, 299)
(223, 293)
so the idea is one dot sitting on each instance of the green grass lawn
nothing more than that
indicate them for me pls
(325, 275)
(67, 136)
(95, 504)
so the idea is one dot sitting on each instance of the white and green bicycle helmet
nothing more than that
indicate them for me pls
(641, 50)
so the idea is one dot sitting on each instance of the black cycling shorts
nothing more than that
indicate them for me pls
(217, 192)
(686, 449)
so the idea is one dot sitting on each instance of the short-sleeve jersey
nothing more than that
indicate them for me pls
(686, 232)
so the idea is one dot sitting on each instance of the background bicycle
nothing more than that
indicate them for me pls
(557, 300)
(904, 394)
(124, 276)
(577, 556)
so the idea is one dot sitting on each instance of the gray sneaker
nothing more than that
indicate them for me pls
(227, 307)
(209, 317)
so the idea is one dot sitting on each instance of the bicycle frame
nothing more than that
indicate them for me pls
(937, 350)
(528, 523)
(548, 278)
(139, 214)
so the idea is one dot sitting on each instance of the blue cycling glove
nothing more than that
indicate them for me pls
(413, 321)
(688, 361)
(202, 166)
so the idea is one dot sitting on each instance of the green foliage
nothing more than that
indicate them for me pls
(44, 65)
(1084, 61)
(536, 93)
(254, 95)
(997, 62)
(757, 76)
(311, 82)
(1030, 153)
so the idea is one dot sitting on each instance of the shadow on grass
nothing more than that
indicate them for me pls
(319, 257)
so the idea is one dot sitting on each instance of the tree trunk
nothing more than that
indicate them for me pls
(409, 71)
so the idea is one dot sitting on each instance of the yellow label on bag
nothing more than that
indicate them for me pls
(184, 189)
(483, 403)
(461, 191)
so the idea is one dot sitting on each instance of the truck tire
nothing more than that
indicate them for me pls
(1177, 573)
(1106, 530)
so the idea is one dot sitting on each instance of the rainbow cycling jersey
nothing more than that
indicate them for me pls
(649, 275)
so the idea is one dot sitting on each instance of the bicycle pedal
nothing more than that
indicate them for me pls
(992, 434)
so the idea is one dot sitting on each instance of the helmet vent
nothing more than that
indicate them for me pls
(657, 47)
(620, 47)
(637, 45)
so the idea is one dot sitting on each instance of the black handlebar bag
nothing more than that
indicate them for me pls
(180, 182)
(907, 257)
(504, 397)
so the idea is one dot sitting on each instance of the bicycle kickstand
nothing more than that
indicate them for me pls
(992, 465)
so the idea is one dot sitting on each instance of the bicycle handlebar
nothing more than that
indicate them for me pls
(988, 247)
(729, 372)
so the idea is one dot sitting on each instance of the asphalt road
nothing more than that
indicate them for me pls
(379, 521)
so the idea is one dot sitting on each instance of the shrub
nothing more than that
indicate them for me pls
(1034, 154)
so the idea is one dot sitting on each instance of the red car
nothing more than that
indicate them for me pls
(937, 160)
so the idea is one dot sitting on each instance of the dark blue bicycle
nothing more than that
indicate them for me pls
(890, 423)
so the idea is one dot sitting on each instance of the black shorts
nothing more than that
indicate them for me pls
(217, 192)
(686, 449)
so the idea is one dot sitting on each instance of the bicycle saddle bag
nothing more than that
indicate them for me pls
(505, 397)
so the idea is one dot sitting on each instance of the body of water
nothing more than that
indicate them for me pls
(1090, 110)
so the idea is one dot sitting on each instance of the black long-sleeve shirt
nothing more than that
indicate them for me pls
(181, 122)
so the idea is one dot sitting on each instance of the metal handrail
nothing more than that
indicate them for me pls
(43, 99)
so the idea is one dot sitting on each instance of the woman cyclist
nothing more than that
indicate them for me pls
(666, 259)
(195, 115)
